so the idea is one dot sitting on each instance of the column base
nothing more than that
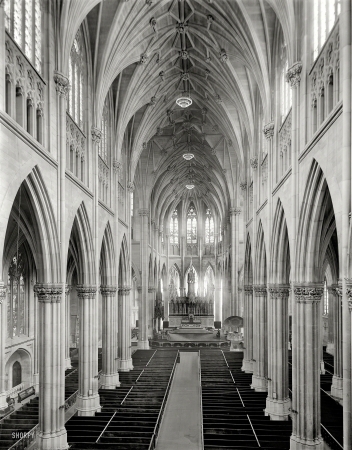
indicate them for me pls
(109, 381)
(87, 406)
(125, 365)
(277, 409)
(52, 441)
(68, 364)
(337, 387)
(247, 366)
(330, 348)
(36, 382)
(259, 384)
(143, 345)
(297, 443)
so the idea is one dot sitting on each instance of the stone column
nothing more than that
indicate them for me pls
(234, 214)
(151, 305)
(260, 350)
(143, 342)
(68, 327)
(337, 380)
(125, 363)
(109, 375)
(305, 410)
(52, 433)
(3, 333)
(36, 345)
(278, 402)
(247, 365)
(331, 318)
(88, 398)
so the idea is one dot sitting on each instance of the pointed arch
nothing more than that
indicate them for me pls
(260, 257)
(81, 248)
(107, 258)
(280, 264)
(248, 266)
(124, 263)
(317, 228)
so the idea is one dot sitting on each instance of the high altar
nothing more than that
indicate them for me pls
(191, 311)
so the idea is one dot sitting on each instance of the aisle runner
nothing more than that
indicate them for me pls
(181, 425)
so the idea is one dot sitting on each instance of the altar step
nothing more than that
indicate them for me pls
(130, 412)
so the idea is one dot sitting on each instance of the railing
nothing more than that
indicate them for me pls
(71, 400)
(329, 439)
(26, 440)
(15, 389)
(73, 371)
(200, 400)
(161, 412)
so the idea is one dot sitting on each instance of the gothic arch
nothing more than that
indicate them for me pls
(280, 264)
(36, 221)
(260, 257)
(317, 236)
(124, 263)
(107, 258)
(248, 267)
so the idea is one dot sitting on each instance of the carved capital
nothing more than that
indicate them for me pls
(308, 293)
(130, 186)
(117, 166)
(293, 75)
(243, 185)
(124, 290)
(279, 291)
(143, 59)
(143, 212)
(86, 292)
(68, 289)
(260, 290)
(235, 211)
(254, 163)
(48, 293)
(62, 83)
(268, 130)
(3, 292)
(349, 292)
(248, 289)
(108, 291)
(151, 289)
(96, 135)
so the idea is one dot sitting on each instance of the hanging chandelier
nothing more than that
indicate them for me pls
(188, 156)
(189, 186)
(184, 101)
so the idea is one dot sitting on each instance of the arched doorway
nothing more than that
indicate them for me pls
(16, 374)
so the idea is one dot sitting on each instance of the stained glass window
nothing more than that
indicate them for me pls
(174, 228)
(325, 14)
(16, 298)
(209, 227)
(191, 225)
(23, 21)
(76, 73)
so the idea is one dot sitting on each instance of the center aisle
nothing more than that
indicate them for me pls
(181, 424)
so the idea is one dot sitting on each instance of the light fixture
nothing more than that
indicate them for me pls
(189, 186)
(188, 156)
(184, 102)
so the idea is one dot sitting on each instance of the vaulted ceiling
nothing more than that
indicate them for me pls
(149, 53)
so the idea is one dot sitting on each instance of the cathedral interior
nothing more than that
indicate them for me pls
(175, 224)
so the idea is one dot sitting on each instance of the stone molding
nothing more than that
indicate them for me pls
(248, 289)
(254, 163)
(62, 84)
(308, 293)
(151, 289)
(349, 292)
(130, 186)
(235, 211)
(268, 130)
(243, 185)
(96, 135)
(279, 291)
(124, 290)
(139, 289)
(143, 212)
(117, 166)
(48, 293)
(68, 289)
(293, 75)
(3, 292)
(260, 290)
(108, 291)
(86, 292)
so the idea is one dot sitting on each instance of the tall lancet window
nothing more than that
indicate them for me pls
(209, 227)
(174, 228)
(191, 225)
(77, 67)
(23, 20)
(325, 14)
(17, 302)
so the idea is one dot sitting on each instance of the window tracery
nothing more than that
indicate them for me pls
(209, 227)
(325, 14)
(191, 225)
(174, 228)
(76, 75)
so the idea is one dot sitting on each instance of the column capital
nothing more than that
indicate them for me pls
(130, 186)
(243, 185)
(248, 289)
(260, 290)
(235, 211)
(139, 289)
(308, 293)
(96, 135)
(117, 166)
(48, 292)
(3, 292)
(268, 130)
(124, 290)
(254, 163)
(151, 289)
(279, 291)
(86, 292)
(108, 291)
(62, 84)
(293, 75)
(68, 289)
(143, 212)
(349, 292)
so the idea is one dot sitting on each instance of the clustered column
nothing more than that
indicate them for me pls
(52, 432)
(306, 361)
(247, 365)
(88, 398)
(109, 376)
(337, 379)
(3, 328)
(278, 402)
(68, 324)
(260, 367)
(143, 342)
(125, 363)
